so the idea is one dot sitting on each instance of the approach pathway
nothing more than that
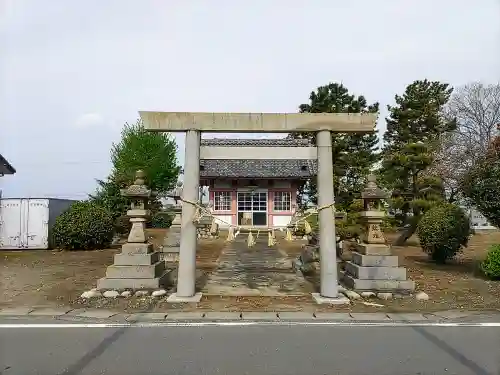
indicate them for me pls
(256, 271)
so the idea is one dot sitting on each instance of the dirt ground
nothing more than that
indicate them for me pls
(57, 278)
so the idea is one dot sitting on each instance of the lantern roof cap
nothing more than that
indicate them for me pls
(371, 190)
(138, 189)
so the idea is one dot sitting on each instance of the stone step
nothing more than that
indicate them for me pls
(375, 260)
(163, 281)
(135, 272)
(375, 273)
(137, 248)
(169, 257)
(370, 249)
(393, 286)
(136, 260)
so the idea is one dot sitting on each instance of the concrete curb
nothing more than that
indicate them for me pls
(209, 316)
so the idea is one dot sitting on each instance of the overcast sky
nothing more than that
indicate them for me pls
(73, 72)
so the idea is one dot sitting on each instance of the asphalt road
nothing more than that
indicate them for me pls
(258, 349)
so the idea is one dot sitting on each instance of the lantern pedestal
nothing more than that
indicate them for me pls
(373, 268)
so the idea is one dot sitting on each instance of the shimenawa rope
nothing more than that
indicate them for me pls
(231, 236)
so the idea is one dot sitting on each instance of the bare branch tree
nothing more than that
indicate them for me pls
(477, 109)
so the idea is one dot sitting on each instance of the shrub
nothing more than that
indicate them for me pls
(491, 265)
(443, 231)
(83, 226)
(162, 220)
(122, 225)
(390, 224)
(346, 228)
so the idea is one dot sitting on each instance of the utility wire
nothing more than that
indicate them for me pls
(63, 162)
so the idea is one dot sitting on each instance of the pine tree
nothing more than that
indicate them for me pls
(413, 126)
(353, 154)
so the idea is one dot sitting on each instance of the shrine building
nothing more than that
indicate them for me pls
(254, 182)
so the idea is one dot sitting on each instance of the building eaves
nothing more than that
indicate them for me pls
(258, 168)
(6, 167)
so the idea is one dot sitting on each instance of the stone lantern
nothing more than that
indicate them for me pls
(372, 266)
(373, 214)
(137, 266)
(176, 195)
(139, 212)
(171, 243)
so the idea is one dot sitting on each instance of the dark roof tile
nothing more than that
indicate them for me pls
(261, 168)
(242, 142)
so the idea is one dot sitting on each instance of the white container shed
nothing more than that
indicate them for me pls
(26, 223)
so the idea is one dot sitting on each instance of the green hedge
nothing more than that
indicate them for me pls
(443, 231)
(491, 265)
(162, 219)
(83, 226)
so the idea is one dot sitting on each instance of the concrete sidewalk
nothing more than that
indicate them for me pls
(208, 316)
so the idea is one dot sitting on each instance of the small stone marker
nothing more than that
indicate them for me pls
(421, 296)
(159, 293)
(93, 293)
(385, 296)
(111, 294)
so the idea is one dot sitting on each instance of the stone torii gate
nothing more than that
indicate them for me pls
(193, 123)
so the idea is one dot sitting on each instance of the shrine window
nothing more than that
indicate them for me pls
(282, 201)
(222, 201)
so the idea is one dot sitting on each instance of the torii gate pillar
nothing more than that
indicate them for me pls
(186, 274)
(322, 123)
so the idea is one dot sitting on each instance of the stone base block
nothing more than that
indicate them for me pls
(375, 273)
(136, 260)
(137, 248)
(340, 300)
(169, 257)
(172, 240)
(393, 286)
(375, 260)
(170, 248)
(135, 284)
(309, 254)
(371, 249)
(135, 272)
(174, 298)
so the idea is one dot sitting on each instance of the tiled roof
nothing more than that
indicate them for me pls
(241, 142)
(6, 167)
(262, 168)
